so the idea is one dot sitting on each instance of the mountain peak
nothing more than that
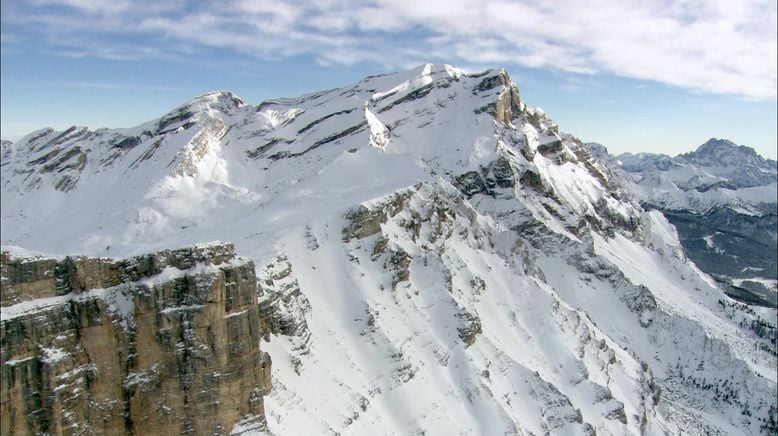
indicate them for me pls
(716, 143)
(210, 102)
(214, 104)
(725, 153)
(431, 69)
(722, 146)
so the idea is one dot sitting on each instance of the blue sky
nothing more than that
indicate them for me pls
(660, 76)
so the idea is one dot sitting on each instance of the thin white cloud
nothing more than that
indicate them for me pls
(717, 46)
(88, 6)
(113, 86)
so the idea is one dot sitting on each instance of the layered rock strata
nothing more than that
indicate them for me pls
(165, 343)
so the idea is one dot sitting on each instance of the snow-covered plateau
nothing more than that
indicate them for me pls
(437, 257)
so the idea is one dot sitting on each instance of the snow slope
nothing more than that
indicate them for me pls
(436, 257)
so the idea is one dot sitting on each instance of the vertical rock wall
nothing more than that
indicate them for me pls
(166, 343)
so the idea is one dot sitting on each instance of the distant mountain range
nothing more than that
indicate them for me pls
(722, 200)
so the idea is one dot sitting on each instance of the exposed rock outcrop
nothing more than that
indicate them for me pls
(199, 146)
(283, 309)
(166, 343)
(508, 105)
(498, 174)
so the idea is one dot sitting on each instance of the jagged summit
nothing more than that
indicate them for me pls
(722, 152)
(718, 144)
(213, 102)
(714, 166)
(713, 153)
(422, 238)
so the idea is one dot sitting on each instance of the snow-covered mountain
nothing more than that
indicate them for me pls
(434, 257)
(718, 173)
(723, 200)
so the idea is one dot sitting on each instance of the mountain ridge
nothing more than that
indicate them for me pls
(421, 238)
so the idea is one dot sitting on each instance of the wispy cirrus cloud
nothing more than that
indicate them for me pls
(716, 46)
(113, 86)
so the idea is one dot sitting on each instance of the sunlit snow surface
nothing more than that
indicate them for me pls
(557, 307)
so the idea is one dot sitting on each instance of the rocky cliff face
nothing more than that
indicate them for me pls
(165, 343)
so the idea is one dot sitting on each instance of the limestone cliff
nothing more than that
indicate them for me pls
(165, 343)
